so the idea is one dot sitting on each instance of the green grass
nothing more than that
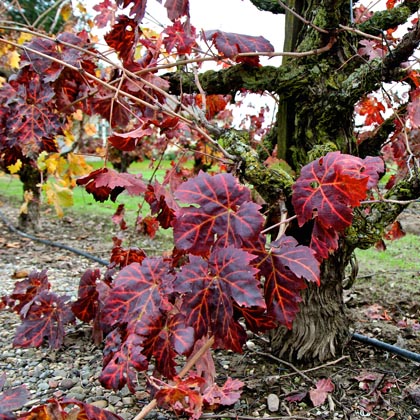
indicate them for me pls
(396, 268)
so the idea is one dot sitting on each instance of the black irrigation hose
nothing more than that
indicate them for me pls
(415, 357)
(358, 337)
(51, 243)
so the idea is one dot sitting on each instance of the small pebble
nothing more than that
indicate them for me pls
(273, 402)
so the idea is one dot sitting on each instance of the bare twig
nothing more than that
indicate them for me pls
(282, 222)
(288, 364)
(358, 32)
(297, 15)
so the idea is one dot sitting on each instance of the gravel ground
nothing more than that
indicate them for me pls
(72, 371)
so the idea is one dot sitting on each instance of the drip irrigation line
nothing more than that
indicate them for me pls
(356, 336)
(415, 357)
(51, 243)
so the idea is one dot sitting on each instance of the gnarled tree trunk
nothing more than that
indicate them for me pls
(317, 90)
(321, 329)
(30, 211)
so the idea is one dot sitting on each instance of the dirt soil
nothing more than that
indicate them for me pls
(368, 382)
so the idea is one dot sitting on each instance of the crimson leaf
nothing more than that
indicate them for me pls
(138, 8)
(178, 37)
(106, 183)
(25, 290)
(230, 45)
(177, 8)
(125, 359)
(161, 203)
(138, 293)
(285, 267)
(35, 122)
(320, 393)
(123, 37)
(86, 306)
(331, 186)
(44, 317)
(211, 287)
(55, 410)
(225, 212)
(13, 399)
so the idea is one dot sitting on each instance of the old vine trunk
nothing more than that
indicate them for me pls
(321, 329)
(30, 211)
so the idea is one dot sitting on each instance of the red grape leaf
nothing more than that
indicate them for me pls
(210, 289)
(179, 36)
(138, 8)
(413, 108)
(125, 256)
(177, 8)
(13, 399)
(137, 295)
(25, 290)
(320, 393)
(117, 112)
(394, 232)
(323, 240)
(372, 49)
(285, 267)
(362, 14)
(124, 361)
(223, 208)
(35, 123)
(106, 183)
(231, 44)
(390, 4)
(106, 11)
(65, 410)
(128, 141)
(371, 108)
(44, 317)
(227, 394)
(183, 396)
(162, 203)
(214, 104)
(118, 217)
(49, 70)
(123, 37)
(160, 343)
(256, 319)
(86, 306)
(148, 225)
(331, 186)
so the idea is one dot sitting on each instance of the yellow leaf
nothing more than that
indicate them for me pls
(41, 161)
(78, 115)
(82, 8)
(68, 137)
(90, 129)
(2, 80)
(28, 196)
(15, 168)
(14, 59)
(24, 37)
(55, 164)
(78, 165)
(58, 196)
(66, 12)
